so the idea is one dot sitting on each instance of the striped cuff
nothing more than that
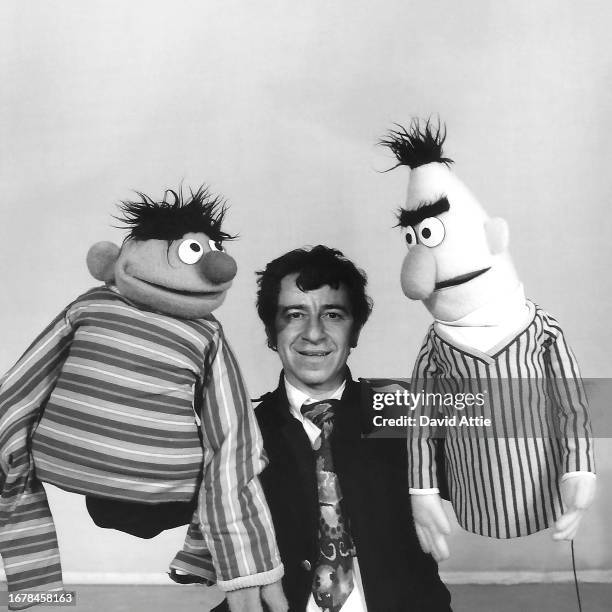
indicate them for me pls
(261, 579)
(431, 491)
(190, 564)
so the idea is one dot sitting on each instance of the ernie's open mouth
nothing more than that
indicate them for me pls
(459, 280)
(197, 294)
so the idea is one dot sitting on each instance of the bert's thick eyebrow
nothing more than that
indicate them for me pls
(413, 217)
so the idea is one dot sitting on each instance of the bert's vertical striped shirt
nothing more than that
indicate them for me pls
(506, 484)
(107, 401)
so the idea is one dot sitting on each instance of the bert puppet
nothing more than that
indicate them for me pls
(534, 467)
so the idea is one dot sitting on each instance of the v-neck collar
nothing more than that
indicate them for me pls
(491, 354)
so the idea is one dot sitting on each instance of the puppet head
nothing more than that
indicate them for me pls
(457, 258)
(172, 260)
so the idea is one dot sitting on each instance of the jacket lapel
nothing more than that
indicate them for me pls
(348, 453)
(291, 453)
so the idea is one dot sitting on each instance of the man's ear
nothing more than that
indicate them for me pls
(498, 235)
(101, 259)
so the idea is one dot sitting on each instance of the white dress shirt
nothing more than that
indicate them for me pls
(297, 398)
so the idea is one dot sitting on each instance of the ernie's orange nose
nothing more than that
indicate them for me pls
(218, 267)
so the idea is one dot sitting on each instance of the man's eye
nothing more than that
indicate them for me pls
(216, 245)
(334, 315)
(294, 315)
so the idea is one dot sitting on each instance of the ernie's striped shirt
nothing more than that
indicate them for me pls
(107, 401)
(505, 483)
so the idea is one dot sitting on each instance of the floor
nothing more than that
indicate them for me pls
(466, 598)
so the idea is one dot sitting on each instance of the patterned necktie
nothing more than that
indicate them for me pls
(333, 576)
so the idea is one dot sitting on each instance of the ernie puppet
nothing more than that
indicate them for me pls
(522, 478)
(133, 397)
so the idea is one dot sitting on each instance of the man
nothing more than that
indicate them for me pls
(339, 501)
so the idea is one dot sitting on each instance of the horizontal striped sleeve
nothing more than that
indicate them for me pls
(195, 558)
(569, 405)
(25, 387)
(422, 473)
(234, 516)
(28, 542)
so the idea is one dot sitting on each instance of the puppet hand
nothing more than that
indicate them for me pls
(431, 524)
(249, 599)
(577, 493)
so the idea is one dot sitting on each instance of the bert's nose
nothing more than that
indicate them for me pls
(218, 267)
(418, 274)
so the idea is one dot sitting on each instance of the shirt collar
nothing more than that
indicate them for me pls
(297, 398)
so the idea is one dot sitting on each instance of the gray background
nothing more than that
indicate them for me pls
(278, 105)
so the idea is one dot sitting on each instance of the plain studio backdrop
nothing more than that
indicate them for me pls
(278, 106)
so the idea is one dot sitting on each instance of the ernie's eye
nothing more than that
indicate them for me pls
(410, 236)
(216, 245)
(190, 251)
(431, 232)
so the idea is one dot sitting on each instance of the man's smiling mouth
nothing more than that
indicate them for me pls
(459, 280)
(312, 353)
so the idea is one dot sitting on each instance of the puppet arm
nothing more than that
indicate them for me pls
(234, 516)
(430, 520)
(578, 482)
(25, 518)
(28, 384)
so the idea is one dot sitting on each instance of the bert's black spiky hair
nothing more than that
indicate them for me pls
(418, 145)
(175, 215)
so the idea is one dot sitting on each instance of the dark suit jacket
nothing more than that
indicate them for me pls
(396, 575)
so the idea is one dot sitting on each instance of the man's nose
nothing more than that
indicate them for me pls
(218, 267)
(313, 330)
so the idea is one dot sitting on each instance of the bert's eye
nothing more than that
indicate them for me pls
(216, 245)
(431, 232)
(190, 251)
(410, 237)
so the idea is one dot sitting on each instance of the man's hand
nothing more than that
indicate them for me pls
(274, 598)
(431, 524)
(577, 493)
(250, 599)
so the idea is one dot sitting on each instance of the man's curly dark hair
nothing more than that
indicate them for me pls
(315, 267)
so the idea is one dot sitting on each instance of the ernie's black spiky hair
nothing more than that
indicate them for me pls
(418, 145)
(175, 216)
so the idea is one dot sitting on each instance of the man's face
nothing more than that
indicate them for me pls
(314, 333)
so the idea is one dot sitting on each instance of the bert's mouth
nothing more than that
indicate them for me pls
(459, 280)
(185, 292)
